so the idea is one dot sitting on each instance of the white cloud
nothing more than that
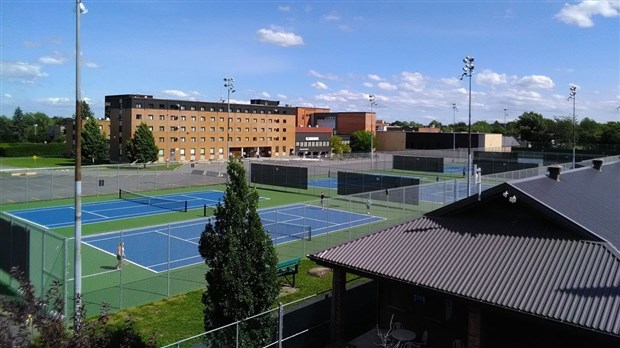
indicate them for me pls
(490, 78)
(175, 93)
(52, 60)
(30, 44)
(331, 17)
(367, 85)
(374, 77)
(319, 85)
(327, 76)
(536, 81)
(284, 8)
(7, 95)
(342, 95)
(57, 100)
(581, 14)
(412, 81)
(387, 86)
(19, 71)
(265, 95)
(277, 36)
(282, 96)
(344, 27)
(91, 65)
(450, 81)
(520, 97)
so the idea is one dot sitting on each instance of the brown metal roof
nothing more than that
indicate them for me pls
(527, 266)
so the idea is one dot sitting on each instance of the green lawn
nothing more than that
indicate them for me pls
(36, 162)
(180, 317)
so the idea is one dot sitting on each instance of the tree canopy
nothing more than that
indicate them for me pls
(95, 148)
(241, 261)
(141, 147)
(338, 147)
(361, 141)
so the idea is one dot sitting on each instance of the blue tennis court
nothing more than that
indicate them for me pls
(63, 216)
(328, 183)
(159, 248)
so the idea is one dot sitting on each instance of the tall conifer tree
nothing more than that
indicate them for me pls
(241, 260)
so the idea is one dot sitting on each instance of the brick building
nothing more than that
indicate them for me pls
(194, 131)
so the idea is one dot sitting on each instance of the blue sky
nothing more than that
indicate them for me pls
(408, 54)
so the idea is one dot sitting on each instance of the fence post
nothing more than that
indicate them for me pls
(280, 324)
(237, 334)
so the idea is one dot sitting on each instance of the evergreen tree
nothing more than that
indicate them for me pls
(95, 147)
(141, 147)
(5, 129)
(241, 259)
(18, 127)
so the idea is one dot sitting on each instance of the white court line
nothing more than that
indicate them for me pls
(90, 212)
(109, 253)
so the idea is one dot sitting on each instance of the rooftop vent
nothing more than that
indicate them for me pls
(597, 164)
(554, 172)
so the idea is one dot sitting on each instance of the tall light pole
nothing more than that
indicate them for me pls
(373, 102)
(454, 110)
(229, 83)
(77, 257)
(573, 96)
(468, 71)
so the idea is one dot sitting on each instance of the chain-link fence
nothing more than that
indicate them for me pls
(51, 257)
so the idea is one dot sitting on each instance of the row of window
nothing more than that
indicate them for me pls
(212, 109)
(312, 143)
(220, 150)
(212, 119)
(213, 129)
(204, 139)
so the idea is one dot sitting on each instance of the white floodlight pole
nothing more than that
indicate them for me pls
(468, 71)
(373, 102)
(77, 273)
(454, 110)
(229, 83)
(573, 96)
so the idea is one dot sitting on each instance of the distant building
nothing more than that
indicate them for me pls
(197, 131)
(425, 140)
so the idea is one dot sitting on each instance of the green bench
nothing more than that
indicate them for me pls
(288, 268)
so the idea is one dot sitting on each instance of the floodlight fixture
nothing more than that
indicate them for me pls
(468, 71)
(229, 83)
(454, 110)
(573, 95)
(373, 102)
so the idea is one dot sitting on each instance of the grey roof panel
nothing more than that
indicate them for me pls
(569, 280)
(585, 196)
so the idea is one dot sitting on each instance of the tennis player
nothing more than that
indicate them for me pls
(120, 255)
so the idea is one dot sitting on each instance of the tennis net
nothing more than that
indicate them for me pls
(158, 202)
(283, 232)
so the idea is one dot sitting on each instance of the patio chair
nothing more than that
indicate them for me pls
(422, 342)
(458, 344)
